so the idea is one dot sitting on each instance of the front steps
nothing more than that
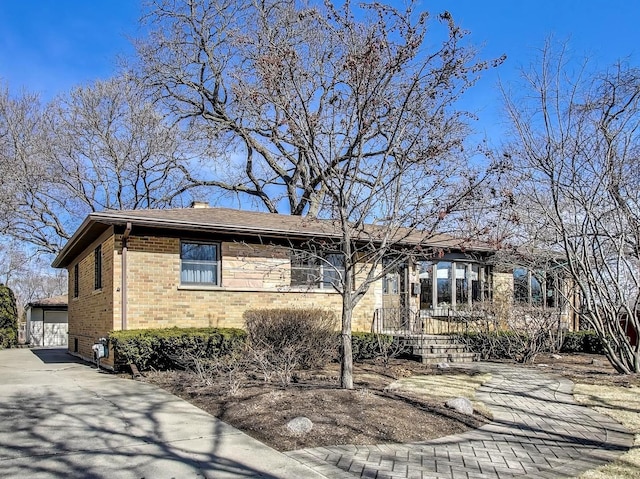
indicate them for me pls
(433, 349)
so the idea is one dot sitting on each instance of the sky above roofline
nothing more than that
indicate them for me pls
(50, 46)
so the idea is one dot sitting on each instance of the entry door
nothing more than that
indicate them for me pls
(395, 299)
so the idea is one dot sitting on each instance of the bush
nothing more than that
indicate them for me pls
(582, 342)
(8, 318)
(375, 346)
(495, 344)
(282, 340)
(8, 338)
(162, 348)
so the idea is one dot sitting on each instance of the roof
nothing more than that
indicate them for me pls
(232, 221)
(54, 301)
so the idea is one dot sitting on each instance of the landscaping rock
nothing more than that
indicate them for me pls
(461, 405)
(443, 365)
(300, 425)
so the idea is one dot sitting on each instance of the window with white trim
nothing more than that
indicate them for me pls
(199, 263)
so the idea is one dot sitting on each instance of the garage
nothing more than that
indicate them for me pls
(47, 322)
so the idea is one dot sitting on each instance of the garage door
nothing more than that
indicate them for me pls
(55, 328)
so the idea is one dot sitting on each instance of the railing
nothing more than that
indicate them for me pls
(397, 321)
(428, 321)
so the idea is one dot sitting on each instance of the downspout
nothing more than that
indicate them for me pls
(123, 288)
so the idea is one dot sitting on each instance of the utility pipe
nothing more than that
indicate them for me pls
(123, 287)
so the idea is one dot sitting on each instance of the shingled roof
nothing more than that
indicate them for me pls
(230, 221)
(52, 302)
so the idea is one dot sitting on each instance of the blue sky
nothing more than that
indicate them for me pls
(49, 46)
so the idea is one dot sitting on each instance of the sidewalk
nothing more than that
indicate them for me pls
(538, 431)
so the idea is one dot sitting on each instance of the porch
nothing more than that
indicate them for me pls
(428, 337)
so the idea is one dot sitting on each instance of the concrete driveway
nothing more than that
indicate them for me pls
(61, 418)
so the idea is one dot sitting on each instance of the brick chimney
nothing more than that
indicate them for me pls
(199, 204)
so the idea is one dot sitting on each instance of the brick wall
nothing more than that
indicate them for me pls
(252, 276)
(91, 313)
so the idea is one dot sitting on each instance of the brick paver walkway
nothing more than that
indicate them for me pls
(538, 431)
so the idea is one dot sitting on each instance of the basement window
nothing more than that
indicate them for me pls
(199, 263)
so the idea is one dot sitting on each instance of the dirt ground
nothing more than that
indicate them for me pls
(368, 414)
(586, 369)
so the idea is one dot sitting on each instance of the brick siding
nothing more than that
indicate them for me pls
(252, 276)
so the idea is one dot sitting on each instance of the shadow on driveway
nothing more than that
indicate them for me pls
(56, 356)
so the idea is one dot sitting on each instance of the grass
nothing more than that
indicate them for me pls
(623, 405)
(444, 387)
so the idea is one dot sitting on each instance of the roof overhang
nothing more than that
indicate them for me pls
(97, 223)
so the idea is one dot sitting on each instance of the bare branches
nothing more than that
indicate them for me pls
(297, 93)
(576, 154)
(102, 146)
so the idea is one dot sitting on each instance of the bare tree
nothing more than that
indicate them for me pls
(29, 275)
(288, 91)
(576, 151)
(103, 146)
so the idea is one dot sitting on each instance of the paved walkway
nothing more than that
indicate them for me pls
(538, 431)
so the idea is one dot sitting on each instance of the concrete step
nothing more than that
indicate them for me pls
(431, 339)
(439, 349)
(434, 358)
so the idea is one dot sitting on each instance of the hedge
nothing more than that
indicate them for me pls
(373, 345)
(582, 342)
(157, 348)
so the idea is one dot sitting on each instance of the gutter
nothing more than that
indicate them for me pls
(123, 282)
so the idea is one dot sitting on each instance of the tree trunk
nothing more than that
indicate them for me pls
(346, 359)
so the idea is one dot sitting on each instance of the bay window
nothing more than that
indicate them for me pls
(451, 285)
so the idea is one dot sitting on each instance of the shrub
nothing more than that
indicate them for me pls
(375, 346)
(8, 338)
(282, 340)
(8, 318)
(163, 348)
(573, 342)
(495, 344)
(582, 342)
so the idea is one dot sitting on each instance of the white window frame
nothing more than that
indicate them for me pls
(217, 263)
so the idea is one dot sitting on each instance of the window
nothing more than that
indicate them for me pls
(391, 281)
(453, 284)
(326, 271)
(199, 263)
(443, 276)
(426, 271)
(535, 288)
(97, 268)
(521, 285)
(76, 280)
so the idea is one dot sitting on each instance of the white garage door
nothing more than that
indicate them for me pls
(55, 328)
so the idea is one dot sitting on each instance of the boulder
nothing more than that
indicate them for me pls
(556, 356)
(597, 362)
(443, 365)
(300, 425)
(461, 405)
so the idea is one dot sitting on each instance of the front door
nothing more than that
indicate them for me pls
(395, 300)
